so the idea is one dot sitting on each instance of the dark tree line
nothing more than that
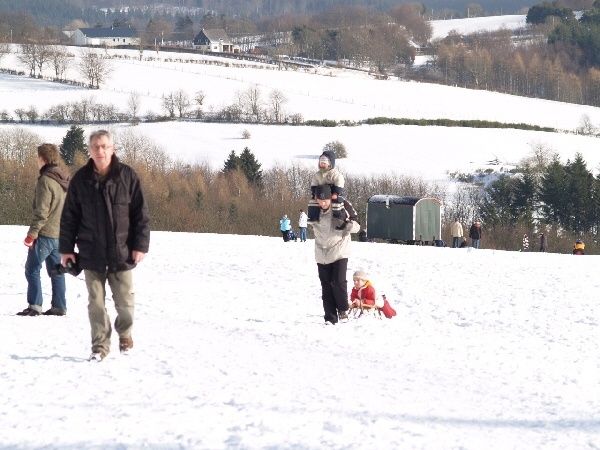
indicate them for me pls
(563, 67)
(61, 12)
(564, 196)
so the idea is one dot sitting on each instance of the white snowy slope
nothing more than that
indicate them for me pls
(489, 349)
(321, 93)
(441, 28)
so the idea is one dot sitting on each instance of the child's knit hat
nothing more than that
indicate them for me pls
(361, 275)
(329, 157)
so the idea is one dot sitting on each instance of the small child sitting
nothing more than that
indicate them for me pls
(363, 292)
(363, 296)
(327, 174)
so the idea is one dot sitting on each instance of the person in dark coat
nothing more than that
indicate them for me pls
(543, 243)
(106, 216)
(475, 234)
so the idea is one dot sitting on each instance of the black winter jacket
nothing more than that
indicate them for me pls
(107, 218)
(475, 232)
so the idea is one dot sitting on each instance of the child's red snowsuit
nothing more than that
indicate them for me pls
(366, 293)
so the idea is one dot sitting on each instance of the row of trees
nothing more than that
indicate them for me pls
(565, 196)
(249, 106)
(35, 57)
(565, 67)
(241, 197)
(490, 61)
(561, 200)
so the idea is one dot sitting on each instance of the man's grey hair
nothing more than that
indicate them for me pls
(99, 133)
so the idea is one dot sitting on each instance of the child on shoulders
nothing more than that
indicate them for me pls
(327, 174)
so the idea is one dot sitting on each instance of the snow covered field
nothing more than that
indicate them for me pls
(427, 152)
(441, 28)
(489, 349)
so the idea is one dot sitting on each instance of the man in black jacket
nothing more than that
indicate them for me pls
(106, 216)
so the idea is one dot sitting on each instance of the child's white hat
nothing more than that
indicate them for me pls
(361, 275)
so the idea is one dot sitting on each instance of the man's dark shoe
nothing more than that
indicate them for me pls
(28, 312)
(125, 344)
(343, 316)
(55, 312)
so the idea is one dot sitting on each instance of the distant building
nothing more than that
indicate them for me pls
(215, 40)
(110, 37)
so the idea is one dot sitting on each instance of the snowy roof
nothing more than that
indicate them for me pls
(109, 32)
(216, 35)
(397, 200)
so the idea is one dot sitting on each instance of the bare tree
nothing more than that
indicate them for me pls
(18, 144)
(133, 104)
(182, 102)
(199, 100)
(59, 60)
(94, 68)
(586, 126)
(250, 103)
(28, 57)
(4, 49)
(277, 100)
(43, 55)
(168, 104)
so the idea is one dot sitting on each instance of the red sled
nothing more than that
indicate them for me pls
(387, 309)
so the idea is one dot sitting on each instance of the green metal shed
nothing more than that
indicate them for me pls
(407, 219)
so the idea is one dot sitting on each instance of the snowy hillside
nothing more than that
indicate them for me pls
(441, 28)
(489, 349)
(430, 152)
(327, 94)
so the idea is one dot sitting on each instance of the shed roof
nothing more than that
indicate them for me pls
(398, 200)
(109, 32)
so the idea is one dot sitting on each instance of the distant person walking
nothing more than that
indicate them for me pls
(525, 244)
(475, 234)
(106, 216)
(543, 243)
(457, 233)
(42, 236)
(285, 226)
(302, 224)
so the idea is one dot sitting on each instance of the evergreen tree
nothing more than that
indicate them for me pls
(552, 194)
(232, 163)
(498, 205)
(72, 142)
(250, 166)
(525, 196)
(595, 217)
(579, 204)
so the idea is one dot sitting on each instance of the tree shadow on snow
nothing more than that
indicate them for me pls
(48, 358)
(532, 424)
(307, 156)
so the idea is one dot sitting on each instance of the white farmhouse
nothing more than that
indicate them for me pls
(110, 37)
(215, 40)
